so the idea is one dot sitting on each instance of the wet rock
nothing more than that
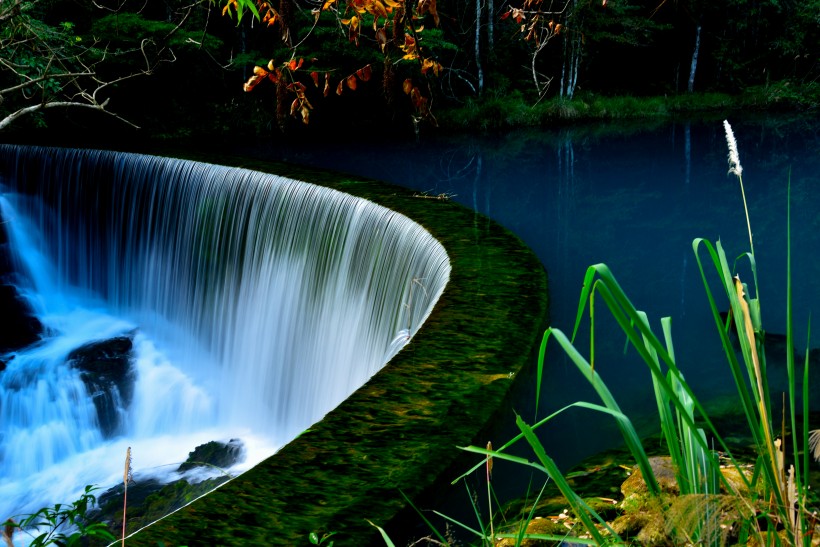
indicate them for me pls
(19, 327)
(214, 454)
(664, 470)
(107, 370)
(148, 501)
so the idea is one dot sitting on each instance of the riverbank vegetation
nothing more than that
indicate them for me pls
(745, 476)
(306, 68)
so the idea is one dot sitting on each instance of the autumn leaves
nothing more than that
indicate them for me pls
(396, 28)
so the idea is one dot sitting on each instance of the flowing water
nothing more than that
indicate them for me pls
(256, 304)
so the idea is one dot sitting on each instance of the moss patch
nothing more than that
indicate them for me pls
(400, 430)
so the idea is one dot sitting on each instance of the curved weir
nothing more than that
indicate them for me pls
(259, 302)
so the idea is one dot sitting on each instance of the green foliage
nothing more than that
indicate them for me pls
(324, 539)
(134, 28)
(62, 525)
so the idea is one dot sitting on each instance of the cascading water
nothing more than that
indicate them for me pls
(255, 304)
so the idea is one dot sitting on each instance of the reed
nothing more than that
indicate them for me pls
(126, 478)
(771, 504)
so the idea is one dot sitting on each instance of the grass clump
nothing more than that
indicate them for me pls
(702, 491)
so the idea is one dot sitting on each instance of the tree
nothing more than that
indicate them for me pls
(581, 29)
(45, 66)
(399, 50)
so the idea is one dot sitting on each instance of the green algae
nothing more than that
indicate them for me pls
(401, 429)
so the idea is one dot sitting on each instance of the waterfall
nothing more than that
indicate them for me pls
(256, 305)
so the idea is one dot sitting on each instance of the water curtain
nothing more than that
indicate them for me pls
(274, 299)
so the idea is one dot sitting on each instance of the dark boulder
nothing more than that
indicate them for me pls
(106, 368)
(19, 327)
(214, 454)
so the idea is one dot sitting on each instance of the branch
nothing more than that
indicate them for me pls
(35, 81)
(8, 120)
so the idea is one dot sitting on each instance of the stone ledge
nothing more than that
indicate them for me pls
(401, 429)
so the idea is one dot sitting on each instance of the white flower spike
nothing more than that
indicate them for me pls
(734, 157)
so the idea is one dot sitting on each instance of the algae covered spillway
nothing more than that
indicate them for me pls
(211, 248)
(402, 428)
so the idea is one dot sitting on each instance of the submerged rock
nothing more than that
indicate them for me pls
(215, 454)
(106, 368)
(150, 499)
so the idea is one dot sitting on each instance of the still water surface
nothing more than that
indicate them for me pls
(634, 198)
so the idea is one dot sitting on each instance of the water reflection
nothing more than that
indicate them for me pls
(633, 198)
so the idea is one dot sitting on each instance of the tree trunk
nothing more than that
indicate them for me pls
(479, 69)
(572, 52)
(691, 85)
(490, 25)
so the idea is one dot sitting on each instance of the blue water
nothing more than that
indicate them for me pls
(634, 198)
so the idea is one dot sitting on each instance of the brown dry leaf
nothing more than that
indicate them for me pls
(351, 82)
(381, 38)
(364, 73)
(747, 320)
(489, 460)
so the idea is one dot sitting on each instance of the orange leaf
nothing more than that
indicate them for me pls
(259, 71)
(326, 91)
(364, 73)
(315, 76)
(392, 4)
(271, 66)
(340, 88)
(305, 115)
(351, 81)
(378, 9)
(327, 4)
(252, 82)
(407, 86)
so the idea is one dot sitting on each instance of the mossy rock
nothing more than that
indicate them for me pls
(214, 454)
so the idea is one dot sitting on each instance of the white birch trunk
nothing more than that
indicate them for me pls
(691, 85)
(490, 24)
(479, 69)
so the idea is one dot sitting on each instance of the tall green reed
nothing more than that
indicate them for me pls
(776, 494)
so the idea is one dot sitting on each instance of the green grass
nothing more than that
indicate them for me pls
(496, 111)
